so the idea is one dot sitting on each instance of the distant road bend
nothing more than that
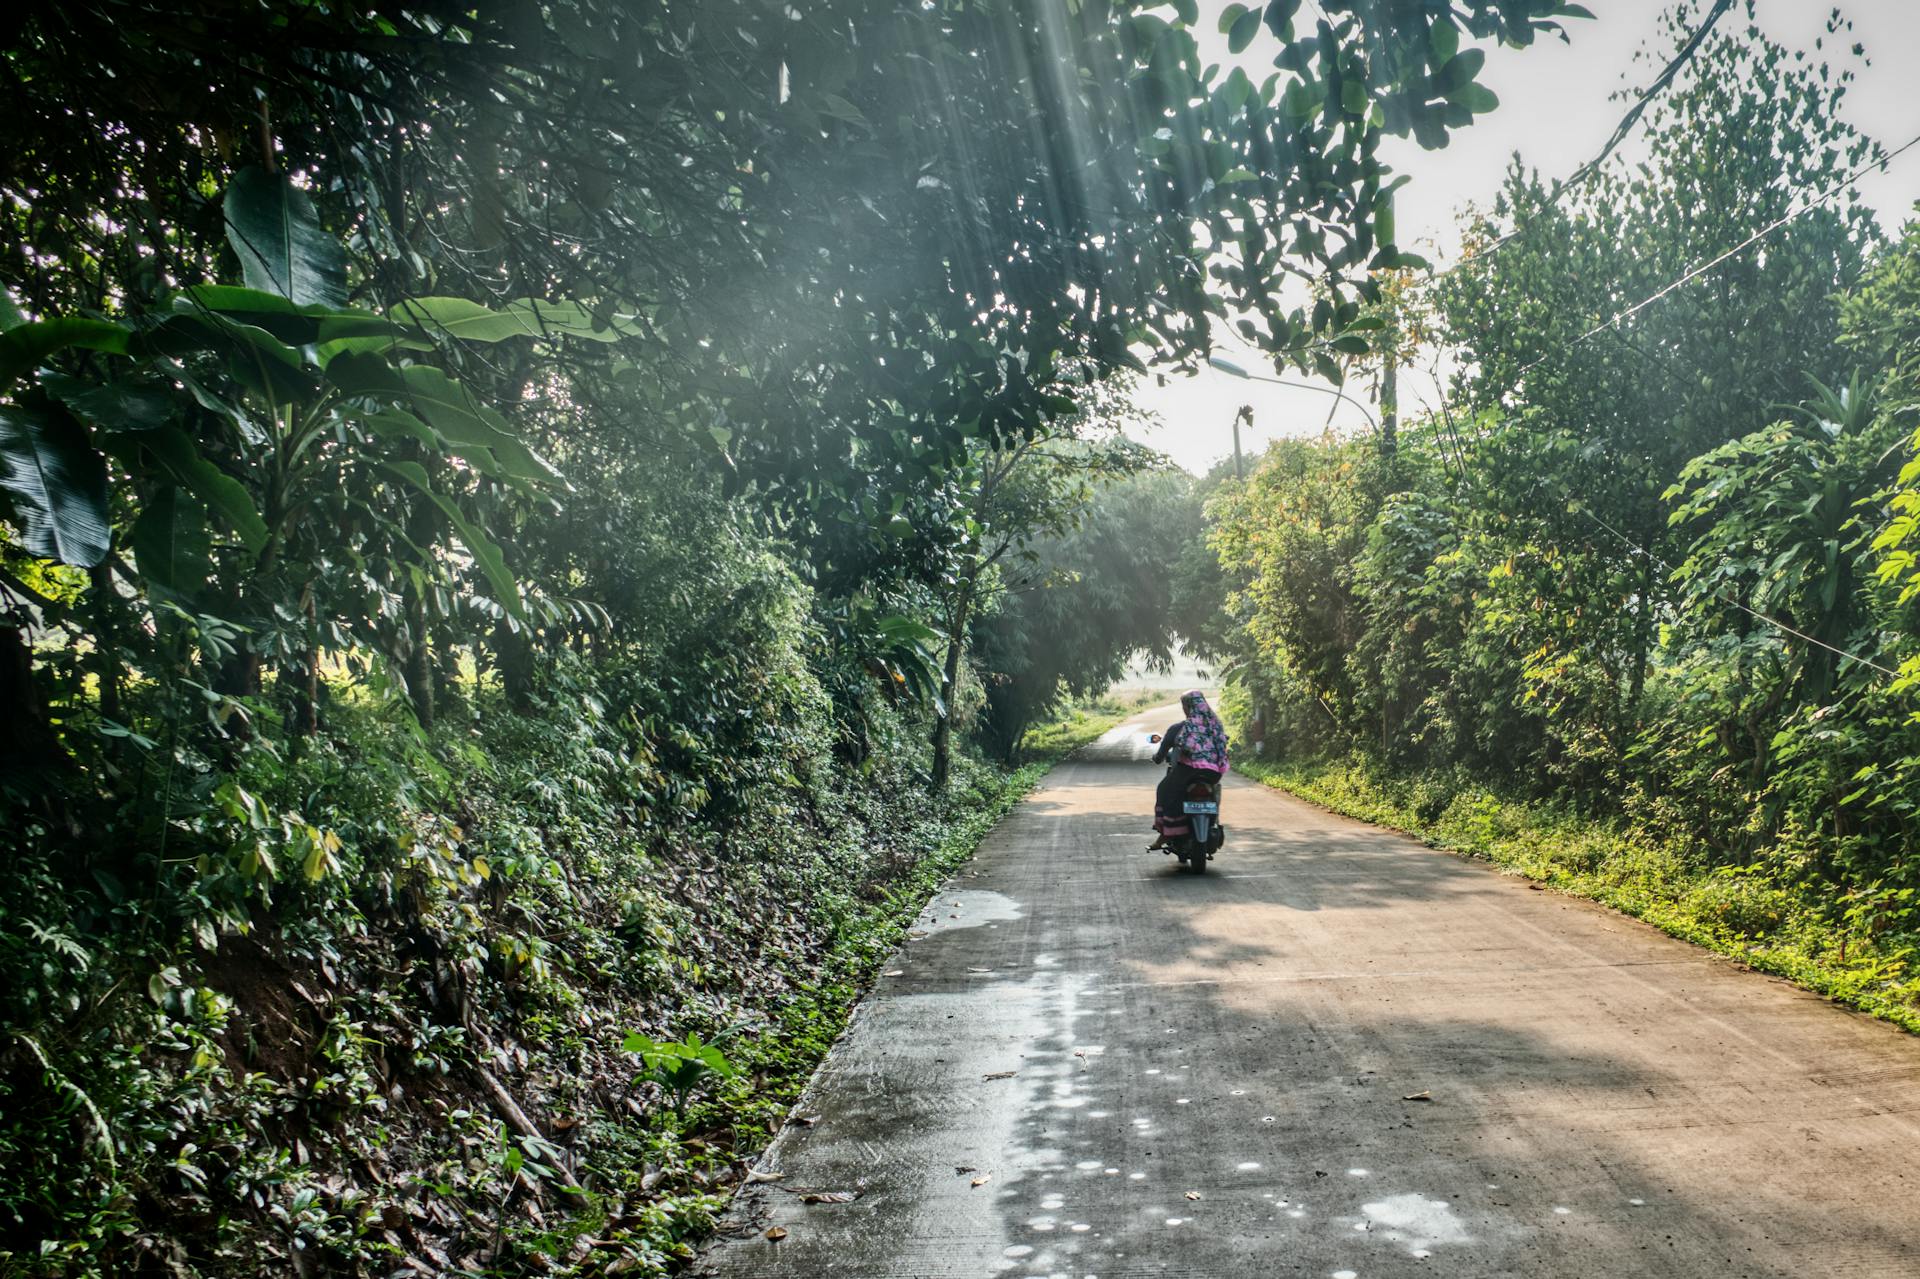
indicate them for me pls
(1337, 1054)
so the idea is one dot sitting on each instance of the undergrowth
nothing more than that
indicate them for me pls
(376, 1011)
(1084, 722)
(1768, 915)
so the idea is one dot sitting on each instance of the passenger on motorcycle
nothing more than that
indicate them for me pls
(1195, 749)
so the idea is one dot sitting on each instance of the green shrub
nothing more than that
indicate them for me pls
(1744, 905)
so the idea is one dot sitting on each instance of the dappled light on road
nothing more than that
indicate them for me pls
(1339, 1052)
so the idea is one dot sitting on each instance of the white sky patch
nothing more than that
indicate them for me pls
(1556, 113)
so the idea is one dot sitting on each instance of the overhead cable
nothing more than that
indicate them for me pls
(1735, 251)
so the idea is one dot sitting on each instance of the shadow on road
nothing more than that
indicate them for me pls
(1337, 1054)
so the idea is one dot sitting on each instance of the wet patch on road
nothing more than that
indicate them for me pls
(967, 908)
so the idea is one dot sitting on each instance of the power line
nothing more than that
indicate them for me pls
(1735, 251)
(1668, 569)
(1620, 131)
(1234, 370)
(1646, 98)
(1635, 548)
(1579, 176)
(1749, 242)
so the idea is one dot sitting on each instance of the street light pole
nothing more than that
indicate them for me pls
(1228, 366)
(1244, 413)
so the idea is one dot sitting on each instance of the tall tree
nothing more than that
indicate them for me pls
(1098, 595)
(1601, 409)
(1014, 496)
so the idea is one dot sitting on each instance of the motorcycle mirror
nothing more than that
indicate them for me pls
(1153, 737)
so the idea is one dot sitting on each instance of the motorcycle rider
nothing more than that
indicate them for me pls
(1195, 750)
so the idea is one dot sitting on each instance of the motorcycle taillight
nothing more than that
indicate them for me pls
(1199, 790)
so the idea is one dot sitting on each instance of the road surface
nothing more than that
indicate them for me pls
(1339, 1053)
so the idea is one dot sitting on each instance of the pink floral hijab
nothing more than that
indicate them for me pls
(1205, 738)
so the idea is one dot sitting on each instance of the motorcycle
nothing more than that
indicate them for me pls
(1205, 834)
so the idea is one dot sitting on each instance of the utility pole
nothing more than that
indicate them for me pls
(1390, 403)
(1245, 414)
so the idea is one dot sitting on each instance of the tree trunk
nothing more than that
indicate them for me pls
(240, 674)
(949, 680)
(419, 664)
(1642, 637)
(513, 654)
(303, 680)
(1018, 735)
(28, 741)
(106, 653)
(446, 676)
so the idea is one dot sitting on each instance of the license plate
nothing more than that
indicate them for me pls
(1202, 806)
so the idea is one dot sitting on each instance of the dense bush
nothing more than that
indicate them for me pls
(312, 1038)
(1649, 569)
(483, 491)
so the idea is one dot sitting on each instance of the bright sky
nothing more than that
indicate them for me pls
(1556, 113)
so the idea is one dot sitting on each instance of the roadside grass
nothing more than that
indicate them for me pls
(864, 931)
(1750, 914)
(1087, 721)
(688, 1164)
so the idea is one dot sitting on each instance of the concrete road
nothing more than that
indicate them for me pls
(1337, 1054)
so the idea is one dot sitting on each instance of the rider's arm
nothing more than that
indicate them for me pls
(1169, 741)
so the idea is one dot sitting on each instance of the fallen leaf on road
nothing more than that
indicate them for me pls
(776, 1233)
(1000, 1074)
(961, 1170)
(1193, 1194)
(896, 972)
(807, 1121)
(979, 970)
(823, 1196)
(982, 1180)
(1425, 1094)
(1538, 888)
(757, 1176)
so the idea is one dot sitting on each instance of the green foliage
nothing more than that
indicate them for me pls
(1065, 624)
(1290, 536)
(57, 484)
(1018, 497)
(1883, 325)
(277, 237)
(679, 1067)
(481, 492)
(1589, 428)
(1627, 614)
(334, 921)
